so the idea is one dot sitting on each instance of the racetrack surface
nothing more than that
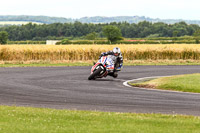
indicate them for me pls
(69, 88)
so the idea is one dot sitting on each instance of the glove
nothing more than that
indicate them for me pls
(120, 67)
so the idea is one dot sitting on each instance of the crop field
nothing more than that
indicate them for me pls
(92, 52)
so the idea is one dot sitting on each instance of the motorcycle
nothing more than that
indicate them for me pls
(102, 68)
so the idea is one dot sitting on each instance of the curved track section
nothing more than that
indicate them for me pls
(68, 88)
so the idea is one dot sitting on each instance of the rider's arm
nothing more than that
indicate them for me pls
(106, 53)
(120, 61)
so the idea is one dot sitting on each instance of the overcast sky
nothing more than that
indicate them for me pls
(164, 9)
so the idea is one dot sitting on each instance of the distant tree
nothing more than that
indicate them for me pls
(77, 30)
(192, 28)
(112, 33)
(197, 36)
(3, 37)
(153, 36)
(175, 33)
(91, 36)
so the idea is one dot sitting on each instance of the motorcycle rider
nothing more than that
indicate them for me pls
(117, 58)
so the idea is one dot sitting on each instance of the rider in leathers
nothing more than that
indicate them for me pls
(117, 58)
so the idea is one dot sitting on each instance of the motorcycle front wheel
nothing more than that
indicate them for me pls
(95, 74)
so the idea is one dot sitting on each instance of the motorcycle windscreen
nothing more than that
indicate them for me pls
(109, 64)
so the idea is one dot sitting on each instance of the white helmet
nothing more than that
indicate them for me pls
(116, 51)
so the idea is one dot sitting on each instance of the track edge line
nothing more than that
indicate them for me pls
(127, 85)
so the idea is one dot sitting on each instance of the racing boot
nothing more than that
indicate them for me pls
(115, 75)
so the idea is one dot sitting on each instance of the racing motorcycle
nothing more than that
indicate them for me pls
(102, 68)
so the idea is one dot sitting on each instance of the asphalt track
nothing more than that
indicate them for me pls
(68, 88)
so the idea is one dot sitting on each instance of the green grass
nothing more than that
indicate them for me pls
(90, 63)
(43, 64)
(38, 120)
(161, 62)
(184, 83)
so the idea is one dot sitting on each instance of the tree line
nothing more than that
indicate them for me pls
(95, 19)
(41, 19)
(77, 29)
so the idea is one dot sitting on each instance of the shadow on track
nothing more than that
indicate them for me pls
(115, 80)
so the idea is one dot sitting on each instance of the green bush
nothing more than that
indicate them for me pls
(83, 42)
(65, 41)
(26, 42)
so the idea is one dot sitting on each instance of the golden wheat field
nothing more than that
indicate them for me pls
(92, 52)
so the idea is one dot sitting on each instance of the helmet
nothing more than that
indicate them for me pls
(116, 51)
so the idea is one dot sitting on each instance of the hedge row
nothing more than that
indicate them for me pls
(129, 42)
(106, 42)
(26, 42)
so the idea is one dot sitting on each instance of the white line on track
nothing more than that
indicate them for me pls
(127, 85)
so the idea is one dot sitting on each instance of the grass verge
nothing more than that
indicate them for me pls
(184, 83)
(45, 63)
(34, 120)
(90, 63)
